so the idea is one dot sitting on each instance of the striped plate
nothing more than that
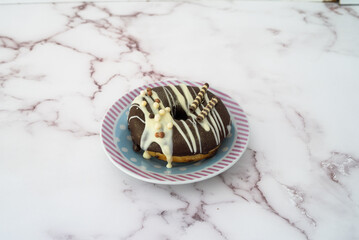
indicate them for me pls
(117, 142)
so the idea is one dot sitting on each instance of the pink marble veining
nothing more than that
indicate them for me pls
(293, 67)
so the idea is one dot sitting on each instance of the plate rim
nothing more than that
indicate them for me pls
(167, 182)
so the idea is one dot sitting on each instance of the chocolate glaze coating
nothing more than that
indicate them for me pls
(180, 147)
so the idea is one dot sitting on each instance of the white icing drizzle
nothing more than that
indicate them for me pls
(205, 123)
(212, 122)
(173, 100)
(189, 132)
(137, 118)
(133, 105)
(187, 95)
(193, 91)
(168, 99)
(183, 135)
(146, 155)
(218, 119)
(180, 99)
(210, 126)
(148, 135)
(194, 123)
(213, 130)
(215, 120)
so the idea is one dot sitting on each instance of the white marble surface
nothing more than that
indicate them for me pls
(293, 67)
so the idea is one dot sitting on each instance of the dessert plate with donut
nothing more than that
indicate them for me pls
(175, 132)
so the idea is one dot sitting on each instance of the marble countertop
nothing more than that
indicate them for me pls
(293, 67)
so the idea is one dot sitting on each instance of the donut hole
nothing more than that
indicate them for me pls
(180, 114)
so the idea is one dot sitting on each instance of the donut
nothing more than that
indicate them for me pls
(178, 123)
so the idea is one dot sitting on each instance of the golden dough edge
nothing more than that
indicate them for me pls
(182, 159)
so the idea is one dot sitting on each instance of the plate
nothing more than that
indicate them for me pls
(116, 139)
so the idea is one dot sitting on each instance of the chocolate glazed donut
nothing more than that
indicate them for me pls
(162, 124)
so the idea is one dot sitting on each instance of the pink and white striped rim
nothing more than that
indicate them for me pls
(119, 160)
